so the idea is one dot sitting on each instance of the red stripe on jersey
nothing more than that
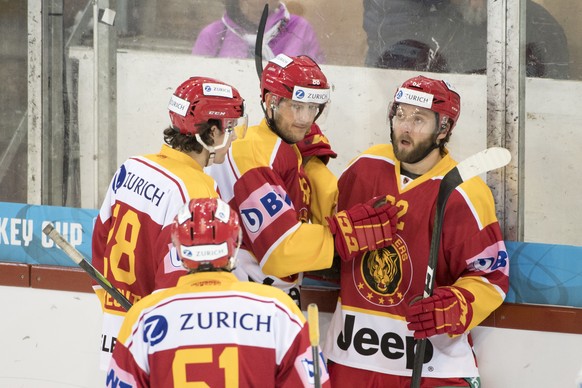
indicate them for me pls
(163, 172)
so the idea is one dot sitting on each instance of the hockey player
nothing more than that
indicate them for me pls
(370, 342)
(212, 329)
(264, 181)
(131, 240)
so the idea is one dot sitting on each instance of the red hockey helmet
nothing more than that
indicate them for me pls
(206, 233)
(200, 99)
(296, 78)
(436, 95)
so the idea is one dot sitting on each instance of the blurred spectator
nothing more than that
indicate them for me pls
(451, 36)
(409, 54)
(234, 35)
(387, 22)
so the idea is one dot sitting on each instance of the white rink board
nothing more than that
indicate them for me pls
(51, 339)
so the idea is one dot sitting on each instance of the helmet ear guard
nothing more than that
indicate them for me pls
(273, 101)
(445, 121)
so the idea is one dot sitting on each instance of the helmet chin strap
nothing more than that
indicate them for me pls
(271, 122)
(211, 150)
(427, 152)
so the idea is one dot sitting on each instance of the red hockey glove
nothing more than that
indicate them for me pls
(316, 143)
(446, 311)
(363, 228)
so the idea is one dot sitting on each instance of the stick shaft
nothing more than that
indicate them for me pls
(313, 319)
(259, 41)
(80, 260)
(479, 163)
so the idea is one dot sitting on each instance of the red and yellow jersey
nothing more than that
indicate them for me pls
(368, 330)
(214, 330)
(264, 181)
(131, 239)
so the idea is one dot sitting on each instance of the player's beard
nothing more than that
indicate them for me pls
(474, 12)
(415, 154)
(285, 131)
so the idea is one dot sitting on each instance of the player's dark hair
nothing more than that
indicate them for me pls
(187, 142)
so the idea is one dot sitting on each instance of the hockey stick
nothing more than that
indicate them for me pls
(78, 258)
(477, 164)
(259, 41)
(313, 319)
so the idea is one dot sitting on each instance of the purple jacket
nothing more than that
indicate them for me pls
(293, 36)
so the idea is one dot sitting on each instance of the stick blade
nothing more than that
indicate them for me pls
(481, 162)
(48, 229)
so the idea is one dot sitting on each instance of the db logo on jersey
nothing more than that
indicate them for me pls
(252, 218)
(489, 264)
(263, 207)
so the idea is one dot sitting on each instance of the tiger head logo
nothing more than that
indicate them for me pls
(384, 270)
(385, 275)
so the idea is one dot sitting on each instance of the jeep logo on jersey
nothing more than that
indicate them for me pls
(155, 329)
(367, 342)
(178, 105)
(220, 90)
(318, 96)
(385, 275)
(414, 97)
(263, 207)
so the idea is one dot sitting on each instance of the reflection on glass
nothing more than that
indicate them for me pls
(451, 36)
(13, 101)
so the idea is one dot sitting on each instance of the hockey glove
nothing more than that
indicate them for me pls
(445, 312)
(317, 144)
(363, 228)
